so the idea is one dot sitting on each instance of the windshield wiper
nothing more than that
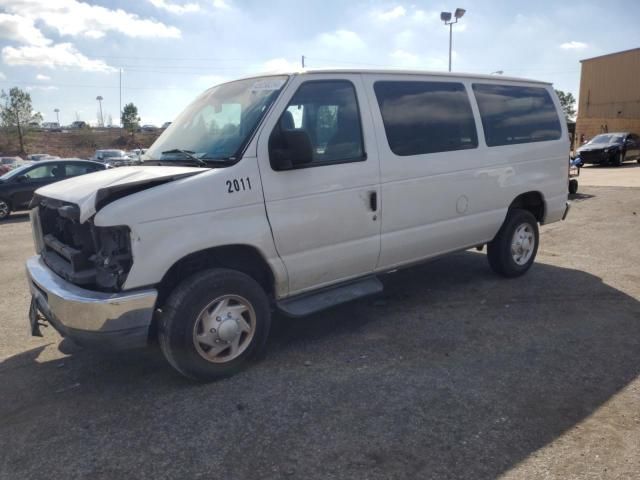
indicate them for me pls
(187, 153)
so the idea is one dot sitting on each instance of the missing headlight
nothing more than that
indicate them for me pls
(113, 259)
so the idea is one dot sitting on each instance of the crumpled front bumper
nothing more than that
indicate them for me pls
(106, 320)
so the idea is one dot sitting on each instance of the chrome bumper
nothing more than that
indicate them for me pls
(112, 319)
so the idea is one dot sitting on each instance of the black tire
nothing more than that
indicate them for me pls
(573, 186)
(5, 209)
(177, 322)
(617, 159)
(499, 252)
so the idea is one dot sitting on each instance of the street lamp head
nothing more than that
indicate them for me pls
(99, 97)
(445, 16)
(459, 12)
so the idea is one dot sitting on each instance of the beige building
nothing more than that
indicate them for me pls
(609, 94)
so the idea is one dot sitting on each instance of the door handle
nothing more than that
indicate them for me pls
(373, 201)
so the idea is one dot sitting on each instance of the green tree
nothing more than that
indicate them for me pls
(16, 111)
(568, 104)
(130, 118)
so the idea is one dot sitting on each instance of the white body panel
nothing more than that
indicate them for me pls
(323, 226)
(315, 226)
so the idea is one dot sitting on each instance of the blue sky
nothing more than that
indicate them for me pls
(67, 52)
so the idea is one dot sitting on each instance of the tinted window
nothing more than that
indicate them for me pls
(50, 170)
(512, 114)
(328, 112)
(74, 169)
(426, 117)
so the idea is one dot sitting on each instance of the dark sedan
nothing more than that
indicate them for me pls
(610, 149)
(18, 185)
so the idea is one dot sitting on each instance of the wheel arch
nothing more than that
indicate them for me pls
(241, 257)
(532, 201)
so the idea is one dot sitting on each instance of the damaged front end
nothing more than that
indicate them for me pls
(92, 257)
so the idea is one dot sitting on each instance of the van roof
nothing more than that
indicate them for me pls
(401, 72)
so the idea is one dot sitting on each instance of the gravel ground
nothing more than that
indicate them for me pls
(452, 373)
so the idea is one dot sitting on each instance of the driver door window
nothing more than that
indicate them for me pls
(328, 112)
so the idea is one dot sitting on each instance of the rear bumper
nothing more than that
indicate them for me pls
(105, 320)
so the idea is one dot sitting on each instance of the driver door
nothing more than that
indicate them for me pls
(324, 213)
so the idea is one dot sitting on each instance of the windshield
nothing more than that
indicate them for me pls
(15, 172)
(604, 139)
(217, 125)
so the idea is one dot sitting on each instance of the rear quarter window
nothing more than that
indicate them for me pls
(516, 114)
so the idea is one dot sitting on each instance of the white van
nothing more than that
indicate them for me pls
(293, 192)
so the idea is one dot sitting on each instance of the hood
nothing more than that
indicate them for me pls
(92, 191)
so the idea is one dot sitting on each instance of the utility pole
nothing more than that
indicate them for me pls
(446, 18)
(120, 98)
(302, 61)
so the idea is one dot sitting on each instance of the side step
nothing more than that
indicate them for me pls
(308, 303)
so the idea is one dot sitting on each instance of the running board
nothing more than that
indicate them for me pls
(313, 302)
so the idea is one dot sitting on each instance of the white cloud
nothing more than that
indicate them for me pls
(60, 55)
(42, 78)
(75, 18)
(174, 7)
(279, 65)
(341, 40)
(221, 4)
(2, 76)
(392, 14)
(20, 29)
(405, 59)
(573, 45)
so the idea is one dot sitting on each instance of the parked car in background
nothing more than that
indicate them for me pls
(136, 154)
(18, 185)
(113, 157)
(9, 163)
(51, 126)
(79, 124)
(36, 157)
(166, 125)
(148, 128)
(610, 149)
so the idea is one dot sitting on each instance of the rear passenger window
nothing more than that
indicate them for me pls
(74, 169)
(426, 117)
(514, 114)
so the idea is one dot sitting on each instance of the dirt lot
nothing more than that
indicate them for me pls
(453, 373)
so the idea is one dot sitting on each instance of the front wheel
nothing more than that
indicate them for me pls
(5, 209)
(513, 250)
(214, 324)
(618, 159)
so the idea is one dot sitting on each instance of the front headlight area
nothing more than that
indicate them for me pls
(113, 257)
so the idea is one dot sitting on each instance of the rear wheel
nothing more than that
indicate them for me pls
(214, 324)
(573, 186)
(5, 209)
(512, 252)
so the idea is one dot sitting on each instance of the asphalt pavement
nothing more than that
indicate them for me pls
(452, 373)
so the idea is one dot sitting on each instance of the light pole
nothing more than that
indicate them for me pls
(446, 18)
(99, 99)
(57, 110)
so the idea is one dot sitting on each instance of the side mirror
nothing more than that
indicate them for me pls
(21, 178)
(289, 149)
